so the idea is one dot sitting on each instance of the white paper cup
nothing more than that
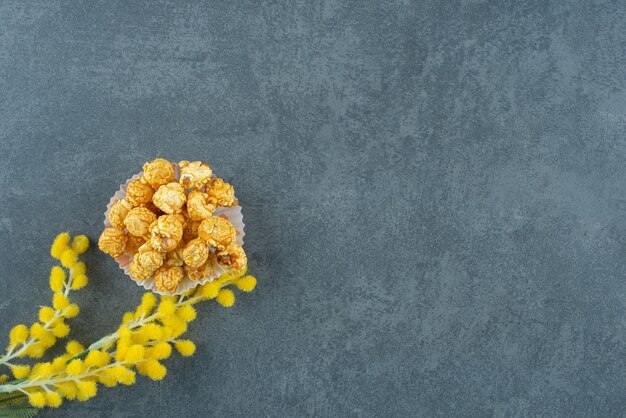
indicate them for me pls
(233, 214)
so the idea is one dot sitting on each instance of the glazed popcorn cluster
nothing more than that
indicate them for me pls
(168, 228)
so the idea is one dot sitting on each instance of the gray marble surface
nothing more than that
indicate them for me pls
(434, 193)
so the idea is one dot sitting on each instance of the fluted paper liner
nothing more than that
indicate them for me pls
(233, 214)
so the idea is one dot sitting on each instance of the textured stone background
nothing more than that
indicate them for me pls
(434, 191)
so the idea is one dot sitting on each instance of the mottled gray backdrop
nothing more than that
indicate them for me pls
(434, 192)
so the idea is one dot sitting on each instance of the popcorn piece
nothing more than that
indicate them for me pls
(166, 233)
(217, 232)
(194, 273)
(194, 175)
(112, 241)
(208, 268)
(166, 279)
(198, 206)
(118, 213)
(221, 193)
(234, 257)
(133, 243)
(181, 218)
(195, 252)
(174, 258)
(145, 262)
(170, 198)
(158, 172)
(191, 230)
(138, 221)
(138, 193)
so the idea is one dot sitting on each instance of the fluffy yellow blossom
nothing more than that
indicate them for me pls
(86, 390)
(57, 278)
(124, 332)
(210, 290)
(60, 244)
(153, 369)
(60, 330)
(185, 347)
(68, 389)
(60, 301)
(121, 349)
(37, 399)
(107, 380)
(246, 284)
(37, 330)
(79, 281)
(122, 375)
(53, 399)
(79, 268)
(58, 364)
(20, 371)
(226, 298)
(149, 332)
(46, 314)
(35, 351)
(187, 313)
(166, 308)
(160, 351)
(134, 354)
(18, 334)
(69, 258)
(104, 359)
(80, 244)
(75, 368)
(71, 311)
(128, 316)
(175, 325)
(97, 358)
(41, 370)
(148, 301)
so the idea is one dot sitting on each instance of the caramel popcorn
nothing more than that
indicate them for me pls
(174, 258)
(195, 252)
(145, 263)
(198, 206)
(206, 269)
(217, 232)
(158, 172)
(165, 224)
(234, 257)
(166, 279)
(194, 175)
(118, 213)
(112, 241)
(181, 218)
(138, 221)
(221, 193)
(133, 243)
(191, 230)
(138, 193)
(166, 233)
(170, 198)
(195, 273)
